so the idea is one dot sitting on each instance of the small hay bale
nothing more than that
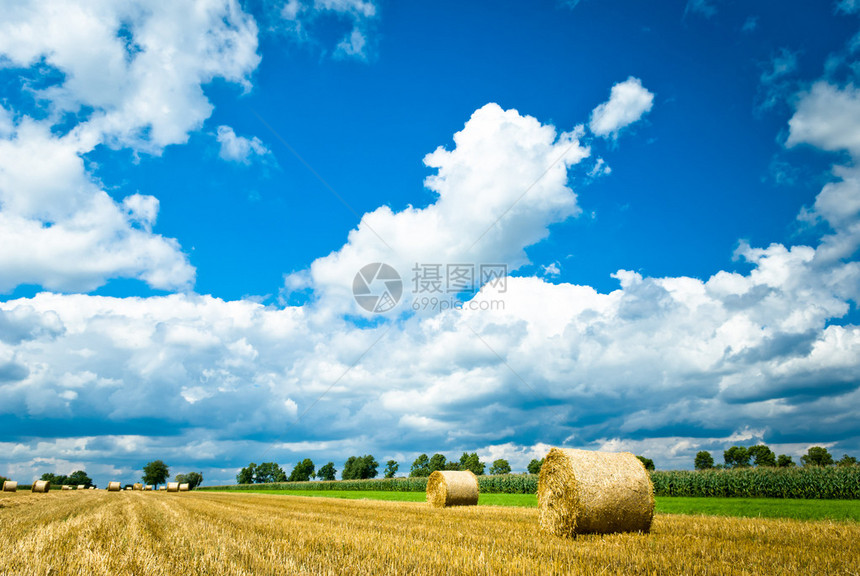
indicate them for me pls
(173, 486)
(82, 486)
(184, 487)
(137, 486)
(41, 486)
(10, 486)
(129, 488)
(452, 488)
(66, 487)
(161, 488)
(148, 487)
(114, 487)
(589, 492)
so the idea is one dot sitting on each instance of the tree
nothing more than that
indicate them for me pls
(155, 473)
(55, 479)
(79, 477)
(535, 466)
(736, 457)
(500, 466)
(269, 472)
(847, 460)
(303, 471)
(360, 468)
(817, 456)
(420, 467)
(785, 461)
(193, 479)
(472, 462)
(247, 474)
(437, 462)
(391, 468)
(327, 472)
(762, 455)
(704, 460)
(647, 462)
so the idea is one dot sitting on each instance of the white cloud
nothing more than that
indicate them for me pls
(628, 102)
(238, 148)
(847, 6)
(703, 7)
(352, 46)
(140, 67)
(750, 24)
(773, 84)
(827, 117)
(298, 19)
(133, 73)
(499, 188)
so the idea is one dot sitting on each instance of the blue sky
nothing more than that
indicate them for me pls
(672, 189)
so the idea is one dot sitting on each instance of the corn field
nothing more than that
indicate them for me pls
(161, 534)
(829, 483)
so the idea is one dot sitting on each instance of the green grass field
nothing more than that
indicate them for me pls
(837, 510)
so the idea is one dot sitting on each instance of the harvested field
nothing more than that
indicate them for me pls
(154, 534)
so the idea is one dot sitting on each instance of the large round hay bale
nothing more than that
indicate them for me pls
(41, 486)
(184, 487)
(173, 486)
(10, 486)
(452, 488)
(137, 486)
(587, 492)
(114, 487)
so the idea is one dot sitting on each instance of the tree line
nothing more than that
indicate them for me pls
(761, 455)
(366, 467)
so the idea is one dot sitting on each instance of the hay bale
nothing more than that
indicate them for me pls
(114, 487)
(41, 486)
(184, 487)
(65, 487)
(173, 486)
(452, 488)
(148, 487)
(160, 488)
(588, 492)
(82, 486)
(137, 486)
(9, 486)
(129, 488)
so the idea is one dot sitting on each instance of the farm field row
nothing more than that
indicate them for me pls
(837, 510)
(242, 534)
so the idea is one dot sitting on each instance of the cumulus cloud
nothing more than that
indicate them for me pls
(133, 76)
(628, 102)
(238, 148)
(500, 187)
(828, 117)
